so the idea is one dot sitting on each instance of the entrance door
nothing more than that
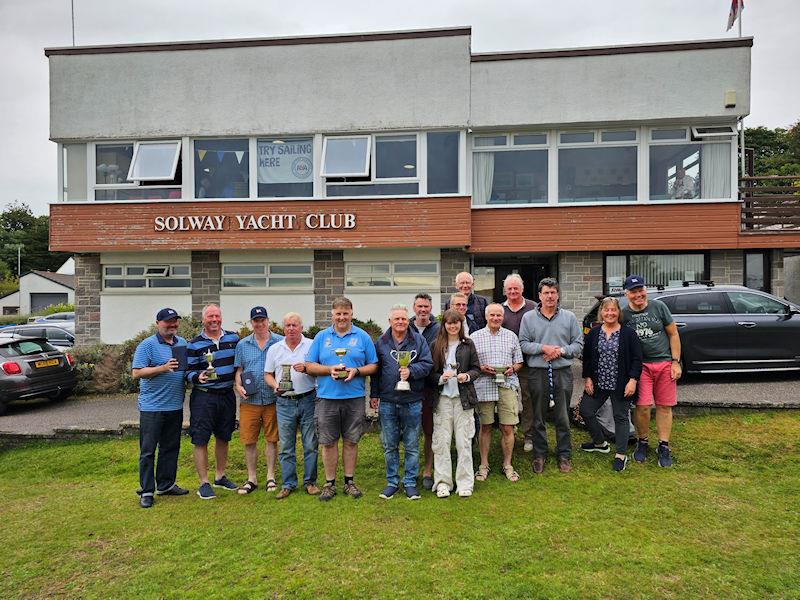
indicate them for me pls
(489, 276)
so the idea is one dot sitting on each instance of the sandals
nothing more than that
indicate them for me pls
(271, 485)
(510, 473)
(482, 473)
(247, 488)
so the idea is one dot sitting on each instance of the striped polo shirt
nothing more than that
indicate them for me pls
(223, 350)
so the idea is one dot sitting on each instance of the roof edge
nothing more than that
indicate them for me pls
(336, 38)
(609, 50)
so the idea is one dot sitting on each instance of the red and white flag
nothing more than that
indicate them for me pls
(737, 6)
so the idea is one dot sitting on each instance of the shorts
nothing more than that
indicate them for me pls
(252, 417)
(211, 412)
(342, 418)
(506, 408)
(656, 383)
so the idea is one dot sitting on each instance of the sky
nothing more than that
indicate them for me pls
(28, 158)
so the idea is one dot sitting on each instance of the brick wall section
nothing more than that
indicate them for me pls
(453, 262)
(206, 280)
(328, 283)
(727, 267)
(580, 276)
(88, 282)
(777, 274)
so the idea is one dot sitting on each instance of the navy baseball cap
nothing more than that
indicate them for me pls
(633, 282)
(258, 312)
(167, 314)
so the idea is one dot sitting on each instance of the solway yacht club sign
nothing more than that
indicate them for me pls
(249, 222)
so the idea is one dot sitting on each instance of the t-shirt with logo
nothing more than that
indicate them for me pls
(650, 325)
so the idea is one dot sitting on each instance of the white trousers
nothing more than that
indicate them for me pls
(450, 418)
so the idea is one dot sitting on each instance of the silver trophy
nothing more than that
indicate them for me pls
(285, 384)
(500, 373)
(403, 358)
(341, 370)
(211, 372)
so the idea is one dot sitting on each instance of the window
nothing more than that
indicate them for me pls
(704, 132)
(755, 304)
(756, 270)
(346, 156)
(668, 134)
(597, 174)
(443, 154)
(666, 270)
(286, 168)
(577, 138)
(503, 174)
(221, 168)
(154, 161)
(267, 276)
(417, 275)
(688, 171)
(118, 177)
(390, 170)
(146, 276)
(704, 303)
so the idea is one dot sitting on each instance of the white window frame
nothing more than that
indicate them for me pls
(667, 140)
(254, 166)
(267, 276)
(175, 156)
(391, 275)
(721, 131)
(509, 145)
(94, 187)
(367, 159)
(374, 160)
(145, 275)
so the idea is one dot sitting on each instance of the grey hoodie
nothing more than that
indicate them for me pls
(562, 330)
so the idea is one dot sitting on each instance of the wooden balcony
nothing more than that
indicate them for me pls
(770, 205)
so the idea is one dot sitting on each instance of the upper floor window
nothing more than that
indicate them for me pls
(138, 171)
(147, 276)
(510, 169)
(221, 168)
(286, 167)
(443, 158)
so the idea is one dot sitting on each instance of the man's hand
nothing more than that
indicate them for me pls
(550, 353)
(488, 370)
(170, 366)
(462, 377)
(675, 371)
(352, 373)
(373, 403)
(202, 377)
(509, 371)
(299, 367)
(630, 388)
(588, 386)
(240, 391)
(405, 373)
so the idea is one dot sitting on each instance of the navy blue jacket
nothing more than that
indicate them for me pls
(629, 365)
(388, 374)
(430, 331)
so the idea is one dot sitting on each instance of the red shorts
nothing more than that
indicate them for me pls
(656, 384)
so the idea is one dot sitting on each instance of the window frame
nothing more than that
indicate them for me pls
(91, 174)
(266, 275)
(367, 158)
(175, 156)
(391, 275)
(730, 131)
(605, 290)
(125, 275)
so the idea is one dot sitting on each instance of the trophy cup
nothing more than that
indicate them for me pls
(403, 358)
(285, 384)
(499, 373)
(211, 372)
(453, 366)
(341, 370)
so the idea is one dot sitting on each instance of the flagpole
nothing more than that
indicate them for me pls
(741, 7)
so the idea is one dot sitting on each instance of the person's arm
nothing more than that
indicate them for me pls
(586, 354)
(474, 370)
(149, 372)
(675, 350)
(635, 372)
(237, 383)
(575, 346)
(526, 336)
(375, 380)
(195, 371)
(272, 383)
(313, 365)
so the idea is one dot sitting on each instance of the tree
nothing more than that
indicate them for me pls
(776, 151)
(18, 225)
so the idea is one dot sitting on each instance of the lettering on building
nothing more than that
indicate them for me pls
(249, 222)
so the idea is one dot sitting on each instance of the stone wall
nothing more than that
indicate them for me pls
(580, 277)
(328, 283)
(727, 267)
(206, 280)
(777, 274)
(88, 282)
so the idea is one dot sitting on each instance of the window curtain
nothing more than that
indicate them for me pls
(482, 177)
(715, 175)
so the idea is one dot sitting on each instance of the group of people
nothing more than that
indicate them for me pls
(447, 381)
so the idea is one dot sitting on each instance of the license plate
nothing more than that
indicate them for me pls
(46, 363)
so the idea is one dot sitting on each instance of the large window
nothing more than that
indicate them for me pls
(221, 168)
(594, 166)
(443, 155)
(137, 171)
(657, 269)
(683, 171)
(267, 276)
(418, 275)
(146, 276)
(509, 169)
(756, 270)
(286, 168)
(351, 169)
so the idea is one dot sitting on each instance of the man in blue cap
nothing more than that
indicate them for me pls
(161, 393)
(256, 407)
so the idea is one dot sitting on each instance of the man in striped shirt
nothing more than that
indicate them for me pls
(212, 403)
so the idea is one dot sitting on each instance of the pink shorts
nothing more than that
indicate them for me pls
(656, 383)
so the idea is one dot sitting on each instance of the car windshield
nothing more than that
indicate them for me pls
(25, 348)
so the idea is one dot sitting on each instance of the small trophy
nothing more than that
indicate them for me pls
(453, 366)
(285, 384)
(341, 370)
(403, 358)
(499, 373)
(211, 372)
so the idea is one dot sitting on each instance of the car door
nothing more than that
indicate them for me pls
(706, 328)
(58, 337)
(767, 331)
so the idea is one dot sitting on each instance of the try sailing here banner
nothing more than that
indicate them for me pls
(285, 161)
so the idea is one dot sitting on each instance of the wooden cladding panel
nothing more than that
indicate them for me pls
(651, 227)
(383, 223)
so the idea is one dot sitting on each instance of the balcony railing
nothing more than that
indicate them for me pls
(770, 204)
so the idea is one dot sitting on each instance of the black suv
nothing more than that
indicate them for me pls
(728, 327)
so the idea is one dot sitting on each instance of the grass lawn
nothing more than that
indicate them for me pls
(724, 522)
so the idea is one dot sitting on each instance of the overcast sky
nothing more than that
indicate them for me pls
(28, 158)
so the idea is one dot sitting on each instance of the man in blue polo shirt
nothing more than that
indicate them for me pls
(212, 403)
(161, 392)
(341, 402)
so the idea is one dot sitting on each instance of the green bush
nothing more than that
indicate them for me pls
(57, 308)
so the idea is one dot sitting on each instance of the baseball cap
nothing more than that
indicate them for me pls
(167, 314)
(258, 312)
(633, 281)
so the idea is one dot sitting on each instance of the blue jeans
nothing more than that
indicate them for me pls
(159, 430)
(401, 421)
(291, 415)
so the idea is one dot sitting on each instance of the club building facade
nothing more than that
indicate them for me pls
(288, 171)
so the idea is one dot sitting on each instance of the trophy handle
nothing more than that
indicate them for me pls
(395, 355)
(413, 355)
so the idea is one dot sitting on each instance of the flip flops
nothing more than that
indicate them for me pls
(247, 488)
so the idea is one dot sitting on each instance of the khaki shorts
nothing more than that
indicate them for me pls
(506, 408)
(252, 417)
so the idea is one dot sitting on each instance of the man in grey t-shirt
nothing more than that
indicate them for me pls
(661, 349)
